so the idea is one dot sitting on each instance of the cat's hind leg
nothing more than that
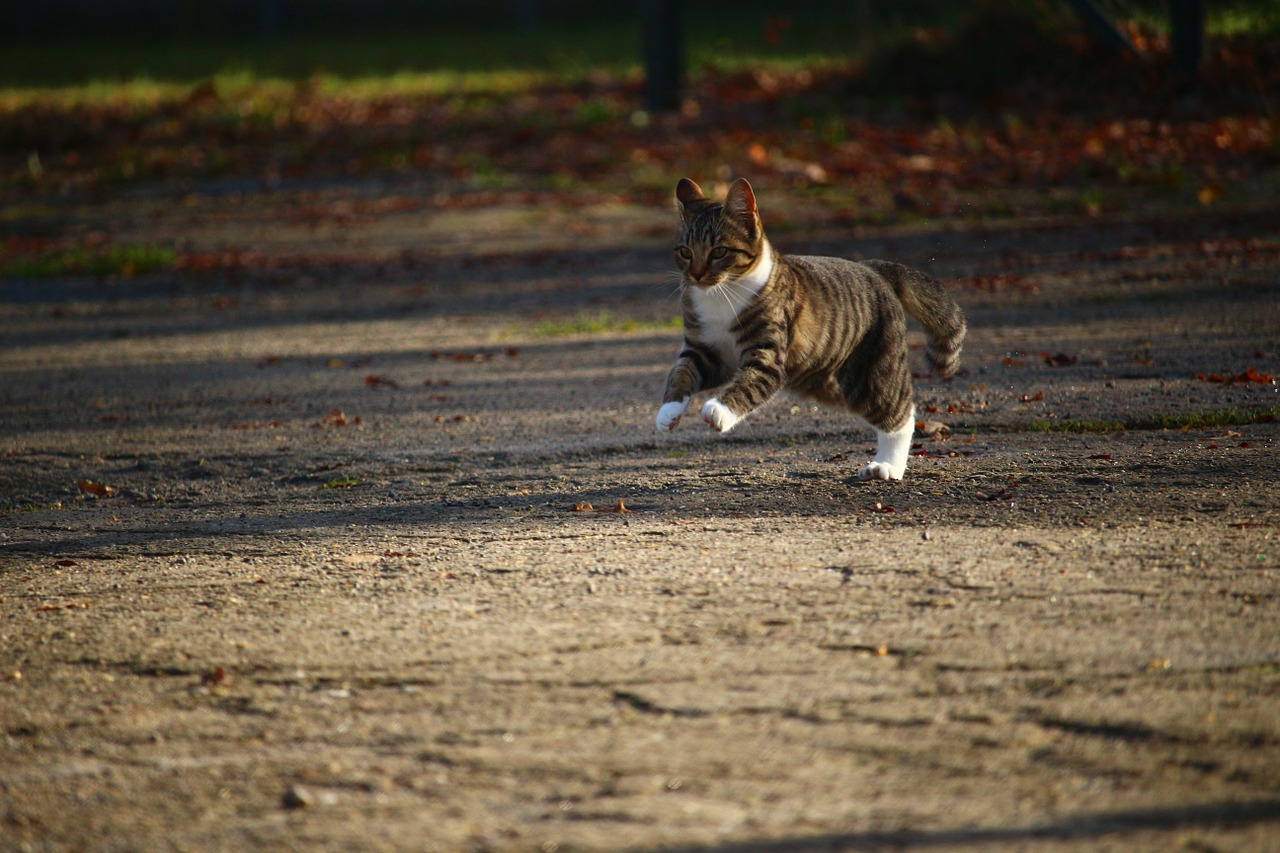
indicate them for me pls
(892, 450)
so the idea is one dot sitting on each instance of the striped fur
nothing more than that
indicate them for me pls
(757, 322)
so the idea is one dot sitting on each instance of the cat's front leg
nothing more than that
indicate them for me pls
(696, 367)
(718, 416)
(759, 379)
(670, 413)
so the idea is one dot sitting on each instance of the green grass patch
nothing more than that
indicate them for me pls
(8, 509)
(341, 483)
(1210, 419)
(1217, 418)
(598, 323)
(113, 260)
(1070, 425)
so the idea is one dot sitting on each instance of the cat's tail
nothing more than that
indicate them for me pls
(924, 298)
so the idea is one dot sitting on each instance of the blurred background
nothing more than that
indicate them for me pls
(879, 112)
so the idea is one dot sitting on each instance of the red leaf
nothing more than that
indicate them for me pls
(378, 382)
(96, 489)
(337, 418)
(1059, 360)
(217, 676)
(1250, 374)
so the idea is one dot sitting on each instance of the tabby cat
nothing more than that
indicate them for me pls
(757, 322)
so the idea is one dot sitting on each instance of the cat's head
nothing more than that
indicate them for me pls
(718, 241)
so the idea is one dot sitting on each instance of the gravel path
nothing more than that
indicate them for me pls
(373, 550)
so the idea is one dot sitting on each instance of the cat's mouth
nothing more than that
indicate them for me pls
(706, 282)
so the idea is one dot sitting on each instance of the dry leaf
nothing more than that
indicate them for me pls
(619, 507)
(1059, 360)
(1250, 374)
(96, 489)
(932, 428)
(217, 676)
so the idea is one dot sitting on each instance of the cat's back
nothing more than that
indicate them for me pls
(820, 274)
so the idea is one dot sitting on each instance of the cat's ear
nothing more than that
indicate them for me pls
(741, 204)
(687, 191)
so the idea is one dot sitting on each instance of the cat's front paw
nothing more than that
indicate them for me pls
(718, 416)
(670, 413)
(880, 471)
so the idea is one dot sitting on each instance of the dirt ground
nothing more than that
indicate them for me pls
(345, 591)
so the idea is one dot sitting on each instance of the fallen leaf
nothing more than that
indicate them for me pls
(378, 382)
(216, 676)
(932, 428)
(96, 489)
(1059, 360)
(1250, 374)
(620, 508)
(337, 418)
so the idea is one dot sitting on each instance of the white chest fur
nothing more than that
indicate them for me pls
(718, 307)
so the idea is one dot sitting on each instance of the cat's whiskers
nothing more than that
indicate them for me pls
(726, 291)
(673, 284)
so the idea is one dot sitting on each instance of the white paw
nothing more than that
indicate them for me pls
(880, 471)
(718, 416)
(670, 413)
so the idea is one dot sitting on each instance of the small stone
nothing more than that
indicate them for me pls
(297, 797)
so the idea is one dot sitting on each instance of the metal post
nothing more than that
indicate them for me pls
(1187, 17)
(663, 54)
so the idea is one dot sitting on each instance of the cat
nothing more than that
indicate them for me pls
(757, 321)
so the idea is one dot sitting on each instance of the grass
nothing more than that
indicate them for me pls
(1070, 425)
(1216, 418)
(111, 261)
(417, 49)
(422, 55)
(598, 323)
(8, 509)
(341, 483)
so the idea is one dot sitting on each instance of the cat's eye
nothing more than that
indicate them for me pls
(718, 252)
(684, 253)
